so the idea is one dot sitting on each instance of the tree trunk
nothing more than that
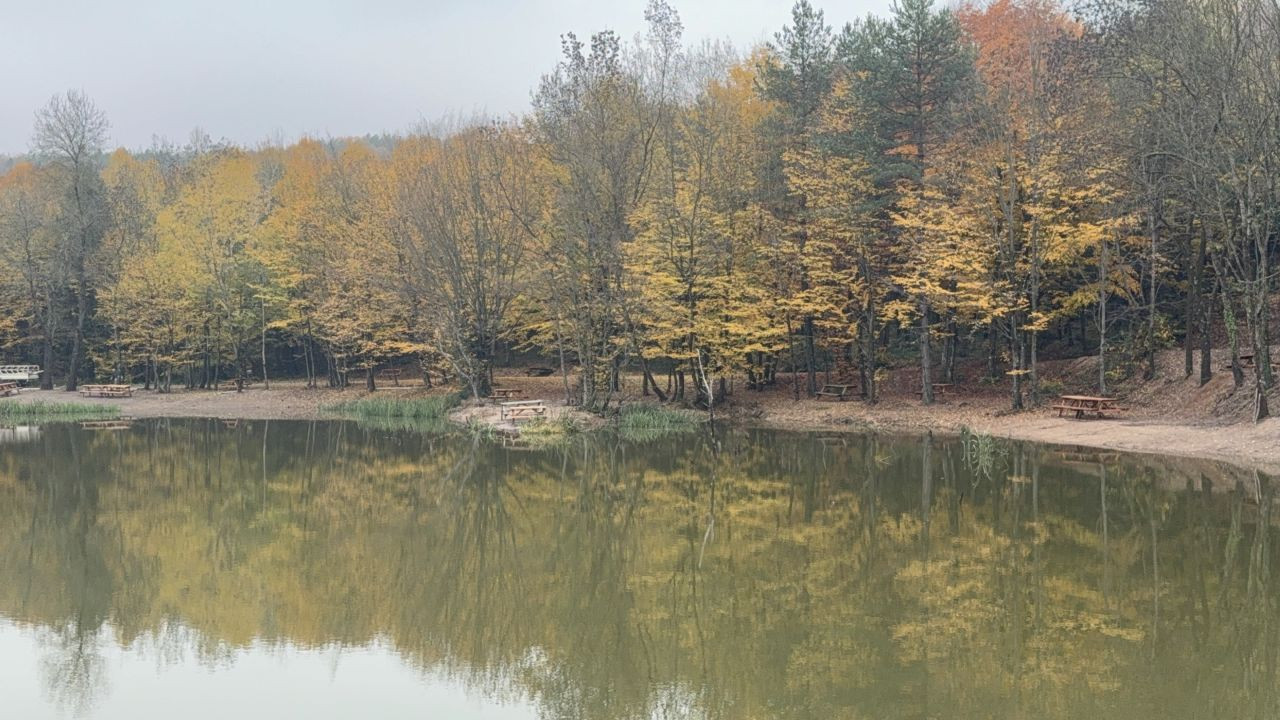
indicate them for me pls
(309, 355)
(1261, 348)
(647, 382)
(868, 365)
(1017, 351)
(1035, 313)
(1206, 337)
(265, 383)
(564, 368)
(991, 350)
(1153, 287)
(77, 344)
(46, 379)
(791, 347)
(115, 339)
(811, 356)
(926, 361)
(1102, 318)
(949, 347)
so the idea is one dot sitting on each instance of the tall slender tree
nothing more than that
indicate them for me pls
(70, 132)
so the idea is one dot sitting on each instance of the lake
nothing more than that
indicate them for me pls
(211, 569)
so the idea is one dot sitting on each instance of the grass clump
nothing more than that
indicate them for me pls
(42, 410)
(549, 432)
(982, 452)
(432, 407)
(642, 422)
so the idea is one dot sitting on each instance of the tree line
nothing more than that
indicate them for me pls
(1000, 182)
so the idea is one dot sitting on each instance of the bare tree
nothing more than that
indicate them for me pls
(70, 132)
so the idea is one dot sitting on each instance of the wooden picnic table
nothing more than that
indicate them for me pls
(393, 373)
(835, 391)
(1248, 359)
(521, 409)
(1083, 405)
(8, 388)
(939, 389)
(106, 390)
(504, 393)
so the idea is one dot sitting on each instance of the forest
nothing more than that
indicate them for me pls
(996, 183)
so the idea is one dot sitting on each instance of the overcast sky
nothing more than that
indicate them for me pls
(248, 70)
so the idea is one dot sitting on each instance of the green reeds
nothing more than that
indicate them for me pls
(432, 407)
(46, 411)
(424, 414)
(644, 422)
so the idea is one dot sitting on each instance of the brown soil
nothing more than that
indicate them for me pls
(1169, 415)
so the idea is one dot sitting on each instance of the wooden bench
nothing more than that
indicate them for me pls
(8, 388)
(1082, 405)
(231, 384)
(836, 392)
(504, 393)
(106, 390)
(522, 409)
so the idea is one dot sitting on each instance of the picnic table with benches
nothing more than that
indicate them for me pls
(106, 390)
(1083, 405)
(1248, 359)
(940, 390)
(8, 388)
(522, 409)
(504, 393)
(392, 373)
(836, 392)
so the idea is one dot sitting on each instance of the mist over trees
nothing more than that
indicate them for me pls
(995, 184)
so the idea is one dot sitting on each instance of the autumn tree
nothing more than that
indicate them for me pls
(470, 205)
(699, 254)
(34, 280)
(796, 77)
(912, 71)
(596, 116)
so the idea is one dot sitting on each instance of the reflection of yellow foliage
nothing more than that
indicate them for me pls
(773, 579)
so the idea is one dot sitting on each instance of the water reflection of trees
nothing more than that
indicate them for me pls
(735, 575)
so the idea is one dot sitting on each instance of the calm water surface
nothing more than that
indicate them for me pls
(197, 569)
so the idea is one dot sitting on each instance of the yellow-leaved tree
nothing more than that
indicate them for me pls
(696, 264)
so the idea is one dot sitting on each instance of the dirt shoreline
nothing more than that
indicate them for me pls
(1244, 444)
(1241, 443)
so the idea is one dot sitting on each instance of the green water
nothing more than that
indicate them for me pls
(324, 570)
